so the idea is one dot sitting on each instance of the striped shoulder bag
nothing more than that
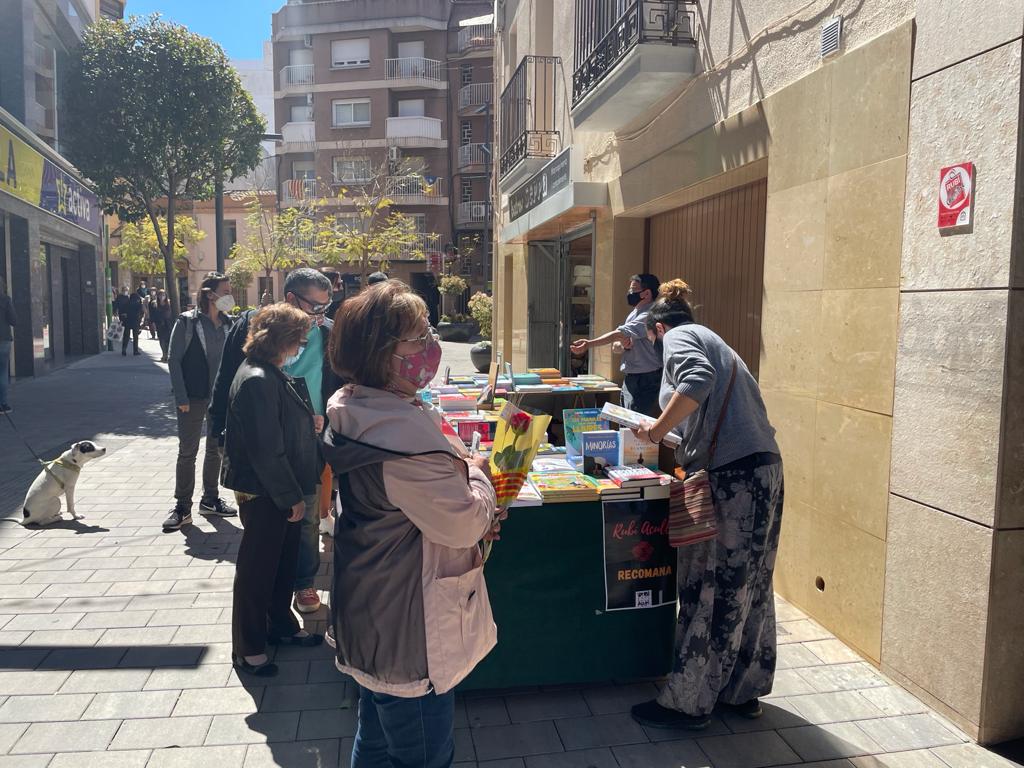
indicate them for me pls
(691, 508)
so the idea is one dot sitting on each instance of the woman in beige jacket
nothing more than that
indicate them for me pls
(411, 614)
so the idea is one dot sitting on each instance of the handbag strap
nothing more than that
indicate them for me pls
(721, 415)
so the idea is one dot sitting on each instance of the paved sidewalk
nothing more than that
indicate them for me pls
(115, 641)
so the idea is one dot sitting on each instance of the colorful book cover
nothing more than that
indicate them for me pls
(634, 476)
(634, 450)
(600, 450)
(576, 421)
(628, 418)
(556, 485)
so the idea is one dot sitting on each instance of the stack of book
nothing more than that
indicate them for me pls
(555, 487)
(608, 491)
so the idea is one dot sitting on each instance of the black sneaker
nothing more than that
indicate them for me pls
(748, 709)
(217, 507)
(653, 715)
(179, 516)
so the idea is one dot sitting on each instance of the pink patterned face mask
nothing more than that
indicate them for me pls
(420, 368)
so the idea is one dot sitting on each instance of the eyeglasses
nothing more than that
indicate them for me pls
(314, 309)
(424, 340)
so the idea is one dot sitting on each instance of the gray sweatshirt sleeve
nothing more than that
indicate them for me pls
(175, 353)
(688, 367)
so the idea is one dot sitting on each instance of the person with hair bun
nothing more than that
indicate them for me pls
(725, 637)
(271, 462)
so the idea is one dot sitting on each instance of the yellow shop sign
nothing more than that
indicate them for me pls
(21, 168)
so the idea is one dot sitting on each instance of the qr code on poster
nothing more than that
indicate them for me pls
(644, 599)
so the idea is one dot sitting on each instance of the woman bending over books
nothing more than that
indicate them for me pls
(725, 636)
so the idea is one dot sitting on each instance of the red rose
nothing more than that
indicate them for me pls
(643, 551)
(520, 422)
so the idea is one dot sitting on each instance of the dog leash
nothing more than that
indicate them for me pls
(45, 464)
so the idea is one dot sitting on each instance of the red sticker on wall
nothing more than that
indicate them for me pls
(956, 195)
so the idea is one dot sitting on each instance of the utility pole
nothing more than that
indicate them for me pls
(488, 164)
(218, 219)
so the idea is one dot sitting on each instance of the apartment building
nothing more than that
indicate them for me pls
(796, 162)
(51, 224)
(391, 96)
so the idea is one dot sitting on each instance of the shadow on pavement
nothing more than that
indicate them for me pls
(75, 657)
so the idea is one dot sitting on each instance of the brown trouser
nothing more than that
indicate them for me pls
(264, 576)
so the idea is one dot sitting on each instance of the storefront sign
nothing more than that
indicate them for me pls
(29, 176)
(552, 178)
(639, 564)
(956, 195)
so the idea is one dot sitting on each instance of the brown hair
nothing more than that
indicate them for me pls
(210, 283)
(274, 329)
(672, 307)
(368, 326)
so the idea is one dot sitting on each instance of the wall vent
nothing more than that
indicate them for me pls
(831, 36)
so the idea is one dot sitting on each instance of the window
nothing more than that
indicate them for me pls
(350, 222)
(347, 54)
(266, 288)
(411, 49)
(420, 221)
(352, 169)
(303, 169)
(301, 113)
(411, 107)
(466, 73)
(467, 191)
(230, 236)
(465, 132)
(351, 112)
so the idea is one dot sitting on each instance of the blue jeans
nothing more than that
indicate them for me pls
(5, 369)
(309, 543)
(404, 733)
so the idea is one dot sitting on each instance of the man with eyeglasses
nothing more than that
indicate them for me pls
(308, 290)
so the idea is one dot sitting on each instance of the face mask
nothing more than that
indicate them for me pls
(633, 297)
(293, 359)
(420, 368)
(225, 303)
(338, 296)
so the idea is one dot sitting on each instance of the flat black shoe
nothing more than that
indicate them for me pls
(748, 709)
(653, 715)
(301, 641)
(267, 669)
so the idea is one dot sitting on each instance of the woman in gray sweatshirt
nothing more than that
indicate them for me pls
(725, 636)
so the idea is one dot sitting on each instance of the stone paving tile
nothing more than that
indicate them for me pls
(716, 727)
(105, 680)
(916, 759)
(135, 588)
(203, 676)
(184, 572)
(87, 657)
(836, 707)
(184, 617)
(203, 633)
(253, 729)
(115, 619)
(110, 575)
(45, 621)
(323, 753)
(610, 699)
(523, 739)
(135, 636)
(893, 700)
(832, 651)
(9, 734)
(22, 658)
(531, 707)
(801, 631)
(486, 712)
(66, 737)
(585, 758)
(327, 724)
(971, 756)
(27, 682)
(92, 604)
(748, 750)
(131, 705)
(161, 733)
(13, 638)
(25, 761)
(599, 731)
(123, 759)
(286, 698)
(906, 732)
(68, 637)
(160, 602)
(830, 741)
(843, 677)
(50, 577)
(218, 701)
(790, 682)
(778, 713)
(192, 757)
(44, 708)
(163, 656)
(667, 754)
(86, 589)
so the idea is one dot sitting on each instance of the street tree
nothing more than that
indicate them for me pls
(154, 114)
(140, 249)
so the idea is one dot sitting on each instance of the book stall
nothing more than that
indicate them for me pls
(582, 581)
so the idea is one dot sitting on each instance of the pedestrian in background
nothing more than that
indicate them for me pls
(131, 319)
(725, 637)
(150, 303)
(195, 349)
(270, 461)
(376, 277)
(7, 322)
(161, 317)
(309, 291)
(337, 291)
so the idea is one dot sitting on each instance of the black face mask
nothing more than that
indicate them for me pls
(633, 297)
(338, 295)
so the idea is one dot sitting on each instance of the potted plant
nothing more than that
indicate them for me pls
(481, 308)
(454, 326)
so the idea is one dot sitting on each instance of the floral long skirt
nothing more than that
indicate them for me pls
(725, 637)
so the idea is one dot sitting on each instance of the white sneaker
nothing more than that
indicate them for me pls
(327, 525)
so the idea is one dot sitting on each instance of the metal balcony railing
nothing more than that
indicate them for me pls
(424, 244)
(475, 95)
(297, 74)
(415, 189)
(413, 67)
(473, 212)
(298, 190)
(529, 110)
(476, 36)
(607, 31)
(299, 133)
(413, 128)
(473, 154)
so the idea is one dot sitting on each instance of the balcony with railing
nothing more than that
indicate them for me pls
(471, 214)
(474, 157)
(294, 191)
(296, 76)
(476, 38)
(416, 190)
(629, 55)
(414, 132)
(474, 97)
(529, 115)
(421, 247)
(414, 72)
(303, 132)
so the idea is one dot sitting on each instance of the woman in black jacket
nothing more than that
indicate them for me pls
(270, 461)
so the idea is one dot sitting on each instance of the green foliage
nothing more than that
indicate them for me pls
(275, 241)
(155, 113)
(452, 285)
(481, 307)
(140, 250)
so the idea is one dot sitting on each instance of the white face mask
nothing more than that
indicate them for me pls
(225, 303)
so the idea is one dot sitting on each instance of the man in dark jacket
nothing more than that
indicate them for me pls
(7, 321)
(310, 291)
(130, 311)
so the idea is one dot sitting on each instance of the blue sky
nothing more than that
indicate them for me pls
(240, 26)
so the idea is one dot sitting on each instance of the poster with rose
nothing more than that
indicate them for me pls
(639, 564)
